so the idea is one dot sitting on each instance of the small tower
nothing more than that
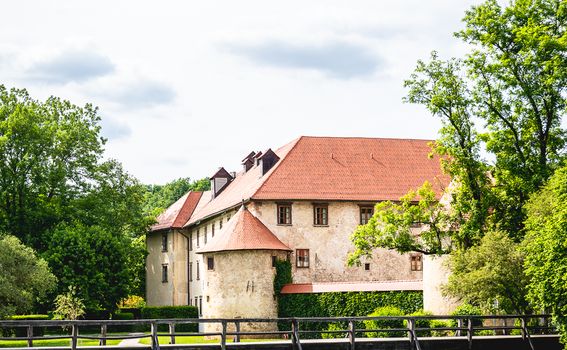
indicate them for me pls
(239, 272)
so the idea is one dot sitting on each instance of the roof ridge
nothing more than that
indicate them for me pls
(365, 138)
(277, 165)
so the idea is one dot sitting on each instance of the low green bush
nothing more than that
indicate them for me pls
(172, 312)
(336, 326)
(22, 331)
(122, 316)
(440, 324)
(421, 323)
(385, 323)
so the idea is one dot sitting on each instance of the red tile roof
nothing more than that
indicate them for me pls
(364, 169)
(178, 213)
(243, 231)
(334, 168)
(324, 287)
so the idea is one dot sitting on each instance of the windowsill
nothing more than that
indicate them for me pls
(284, 224)
(163, 282)
(320, 225)
(302, 267)
(164, 251)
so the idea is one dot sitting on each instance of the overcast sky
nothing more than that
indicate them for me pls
(184, 87)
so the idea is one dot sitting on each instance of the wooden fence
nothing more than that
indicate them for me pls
(464, 326)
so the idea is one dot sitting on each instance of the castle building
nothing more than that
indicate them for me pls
(216, 249)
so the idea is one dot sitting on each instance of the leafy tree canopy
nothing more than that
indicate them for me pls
(545, 247)
(24, 277)
(159, 197)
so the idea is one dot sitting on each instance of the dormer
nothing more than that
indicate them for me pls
(219, 181)
(248, 161)
(267, 160)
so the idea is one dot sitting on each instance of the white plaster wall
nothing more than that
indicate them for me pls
(435, 274)
(329, 246)
(174, 292)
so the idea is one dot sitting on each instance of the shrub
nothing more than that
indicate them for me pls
(385, 323)
(169, 312)
(22, 331)
(421, 323)
(122, 328)
(336, 326)
(440, 324)
(467, 310)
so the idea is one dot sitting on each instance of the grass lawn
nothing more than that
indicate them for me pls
(198, 340)
(53, 342)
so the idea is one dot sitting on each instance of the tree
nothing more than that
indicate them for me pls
(159, 197)
(546, 250)
(23, 277)
(68, 306)
(92, 259)
(488, 273)
(506, 98)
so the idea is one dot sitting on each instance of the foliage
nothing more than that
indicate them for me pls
(381, 324)
(132, 302)
(282, 276)
(391, 226)
(506, 99)
(421, 323)
(159, 197)
(545, 246)
(466, 309)
(68, 306)
(488, 273)
(186, 311)
(92, 259)
(341, 304)
(24, 277)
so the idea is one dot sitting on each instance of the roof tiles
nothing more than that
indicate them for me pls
(178, 213)
(371, 286)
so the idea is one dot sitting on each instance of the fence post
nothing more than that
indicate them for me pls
(102, 341)
(237, 336)
(411, 328)
(155, 340)
(351, 333)
(470, 332)
(223, 335)
(171, 333)
(74, 334)
(295, 334)
(523, 325)
(459, 326)
(30, 336)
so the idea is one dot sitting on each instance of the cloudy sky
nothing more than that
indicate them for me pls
(184, 87)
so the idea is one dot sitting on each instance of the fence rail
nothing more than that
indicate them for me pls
(464, 326)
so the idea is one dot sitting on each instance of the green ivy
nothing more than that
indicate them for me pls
(283, 275)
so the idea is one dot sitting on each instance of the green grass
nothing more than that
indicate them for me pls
(53, 342)
(198, 340)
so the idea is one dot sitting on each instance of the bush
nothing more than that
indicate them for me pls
(467, 310)
(22, 331)
(421, 323)
(122, 316)
(336, 326)
(169, 312)
(440, 324)
(385, 323)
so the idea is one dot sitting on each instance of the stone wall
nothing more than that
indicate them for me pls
(329, 246)
(240, 286)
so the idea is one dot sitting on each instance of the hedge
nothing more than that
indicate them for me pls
(22, 331)
(342, 304)
(185, 311)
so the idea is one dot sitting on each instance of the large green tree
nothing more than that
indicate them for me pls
(545, 246)
(159, 197)
(24, 277)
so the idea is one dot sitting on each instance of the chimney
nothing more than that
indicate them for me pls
(219, 181)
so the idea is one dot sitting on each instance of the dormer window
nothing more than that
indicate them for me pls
(248, 161)
(267, 160)
(219, 181)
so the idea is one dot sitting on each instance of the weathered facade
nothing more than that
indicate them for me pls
(301, 202)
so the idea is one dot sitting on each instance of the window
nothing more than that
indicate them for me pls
(190, 241)
(190, 271)
(284, 214)
(416, 262)
(197, 237)
(320, 214)
(198, 275)
(365, 214)
(213, 230)
(302, 258)
(274, 260)
(220, 224)
(164, 273)
(196, 302)
(367, 267)
(205, 235)
(210, 263)
(164, 242)
(200, 306)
